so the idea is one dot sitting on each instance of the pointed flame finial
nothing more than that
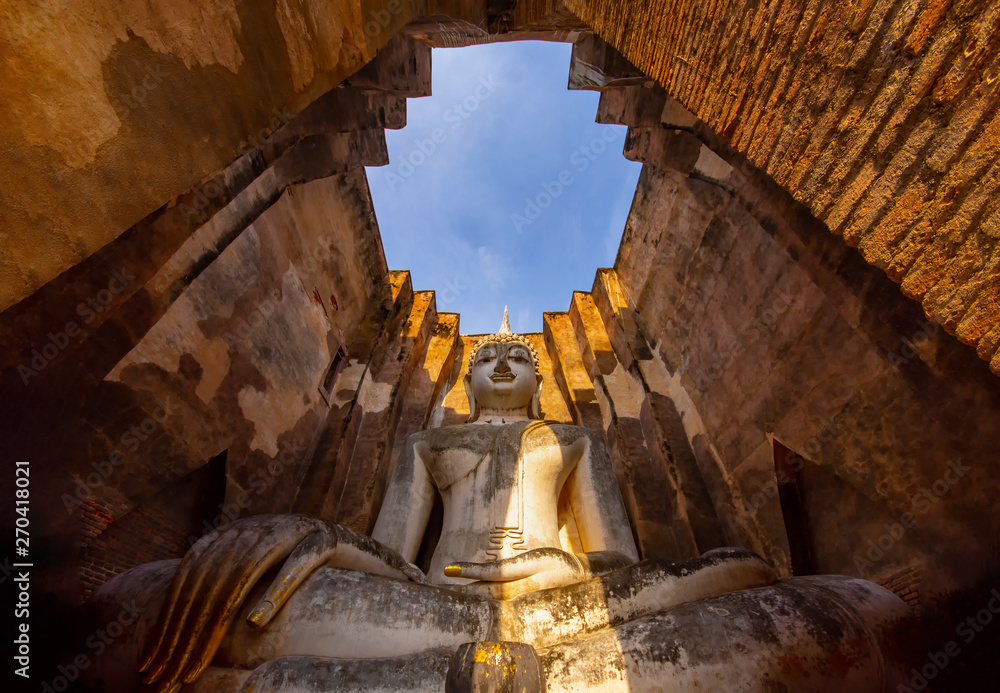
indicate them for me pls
(505, 325)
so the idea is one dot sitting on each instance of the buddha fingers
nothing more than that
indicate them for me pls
(167, 611)
(194, 620)
(189, 639)
(184, 632)
(189, 581)
(258, 561)
(229, 559)
(518, 567)
(312, 552)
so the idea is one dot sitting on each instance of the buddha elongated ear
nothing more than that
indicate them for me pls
(473, 405)
(535, 406)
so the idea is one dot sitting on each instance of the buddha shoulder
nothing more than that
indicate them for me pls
(569, 434)
(435, 441)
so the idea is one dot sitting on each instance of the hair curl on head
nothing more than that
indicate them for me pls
(503, 338)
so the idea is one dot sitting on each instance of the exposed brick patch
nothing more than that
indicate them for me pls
(140, 536)
(904, 584)
(162, 527)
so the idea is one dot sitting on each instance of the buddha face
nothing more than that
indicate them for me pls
(503, 377)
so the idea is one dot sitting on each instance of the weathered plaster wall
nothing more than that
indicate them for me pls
(206, 331)
(766, 343)
(112, 111)
(246, 346)
(237, 361)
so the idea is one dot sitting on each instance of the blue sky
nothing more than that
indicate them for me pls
(501, 189)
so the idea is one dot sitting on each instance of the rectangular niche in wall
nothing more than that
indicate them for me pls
(330, 378)
(787, 467)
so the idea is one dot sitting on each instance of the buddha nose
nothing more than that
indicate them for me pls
(501, 366)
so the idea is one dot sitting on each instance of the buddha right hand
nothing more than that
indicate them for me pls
(219, 571)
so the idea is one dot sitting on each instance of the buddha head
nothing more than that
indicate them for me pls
(503, 378)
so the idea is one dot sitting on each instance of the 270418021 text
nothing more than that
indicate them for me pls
(22, 578)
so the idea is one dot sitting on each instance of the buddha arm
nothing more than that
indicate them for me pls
(409, 498)
(600, 513)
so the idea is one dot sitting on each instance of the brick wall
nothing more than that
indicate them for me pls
(162, 527)
(904, 584)
(881, 117)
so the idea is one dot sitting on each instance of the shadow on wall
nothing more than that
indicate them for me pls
(163, 526)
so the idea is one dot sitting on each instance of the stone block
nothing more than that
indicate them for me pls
(495, 667)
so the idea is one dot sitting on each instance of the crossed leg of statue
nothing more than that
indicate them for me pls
(719, 622)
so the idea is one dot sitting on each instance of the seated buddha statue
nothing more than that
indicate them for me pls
(535, 576)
